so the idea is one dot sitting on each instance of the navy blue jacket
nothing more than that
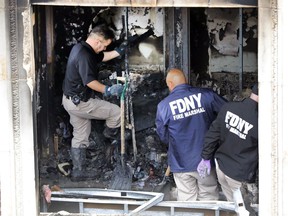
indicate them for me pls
(233, 137)
(182, 120)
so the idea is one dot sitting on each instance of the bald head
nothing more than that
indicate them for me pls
(174, 78)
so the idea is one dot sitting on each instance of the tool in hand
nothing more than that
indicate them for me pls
(160, 186)
(167, 173)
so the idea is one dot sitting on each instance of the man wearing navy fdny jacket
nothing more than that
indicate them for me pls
(182, 120)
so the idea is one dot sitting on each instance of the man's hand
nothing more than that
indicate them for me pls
(121, 49)
(114, 90)
(204, 168)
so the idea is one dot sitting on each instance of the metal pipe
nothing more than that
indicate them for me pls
(241, 49)
(126, 38)
(131, 115)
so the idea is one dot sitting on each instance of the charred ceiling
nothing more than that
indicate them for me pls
(152, 3)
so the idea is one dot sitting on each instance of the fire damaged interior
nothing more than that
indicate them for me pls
(216, 48)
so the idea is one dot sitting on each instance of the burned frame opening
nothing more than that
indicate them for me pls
(217, 48)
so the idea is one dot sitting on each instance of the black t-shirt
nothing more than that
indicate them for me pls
(82, 68)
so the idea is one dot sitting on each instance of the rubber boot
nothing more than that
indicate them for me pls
(115, 133)
(79, 172)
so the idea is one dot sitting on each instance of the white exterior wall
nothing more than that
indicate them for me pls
(273, 106)
(282, 108)
(17, 178)
(7, 167)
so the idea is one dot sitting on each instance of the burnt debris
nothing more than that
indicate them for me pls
(148, 88)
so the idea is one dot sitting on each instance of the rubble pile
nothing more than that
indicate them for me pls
(147, 88)
(151, 160)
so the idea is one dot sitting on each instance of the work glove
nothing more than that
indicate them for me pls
(204, 168)
(114, 90)
(121, 49)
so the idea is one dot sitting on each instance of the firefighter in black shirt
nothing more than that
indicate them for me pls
(79, 100)
(232, 140)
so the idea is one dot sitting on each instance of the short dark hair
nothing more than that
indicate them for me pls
(104, 31)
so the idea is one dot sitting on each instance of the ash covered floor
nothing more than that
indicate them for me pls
(147, 170)
(103, 154)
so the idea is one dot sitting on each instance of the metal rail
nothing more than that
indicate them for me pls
(124, 203)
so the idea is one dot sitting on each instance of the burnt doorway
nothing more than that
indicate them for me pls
(199, 42)
(58, 28)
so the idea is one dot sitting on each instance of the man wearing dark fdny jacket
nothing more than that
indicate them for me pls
(182, 120)
(233, 140)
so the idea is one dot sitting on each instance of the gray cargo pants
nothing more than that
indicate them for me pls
(228, 184)
(81, 115)
(191, 187)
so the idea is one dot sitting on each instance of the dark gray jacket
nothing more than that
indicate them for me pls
(233, 140)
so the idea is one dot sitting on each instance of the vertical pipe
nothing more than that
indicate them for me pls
(240, 49)
(131, 115)
(122, 108)
(122, 100)
(126, 38)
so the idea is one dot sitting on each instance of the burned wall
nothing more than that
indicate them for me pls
(147, 86)
(147, 81)
(145, 58)
(226, 39)
(72, 25)
(145, 52)
(223, 55)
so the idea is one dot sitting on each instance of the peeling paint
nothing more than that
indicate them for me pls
(27, 50)
(139, 19)
(231, 64)
(179, 39)
(223, 26)
(223, 29)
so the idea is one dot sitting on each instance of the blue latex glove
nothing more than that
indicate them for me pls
(114, 90)
(204, 168)
(121, 49)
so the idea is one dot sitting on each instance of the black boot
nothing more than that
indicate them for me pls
(79, 172)
(115, 133)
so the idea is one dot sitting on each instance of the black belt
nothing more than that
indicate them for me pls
(80, 99)
(93, 96)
